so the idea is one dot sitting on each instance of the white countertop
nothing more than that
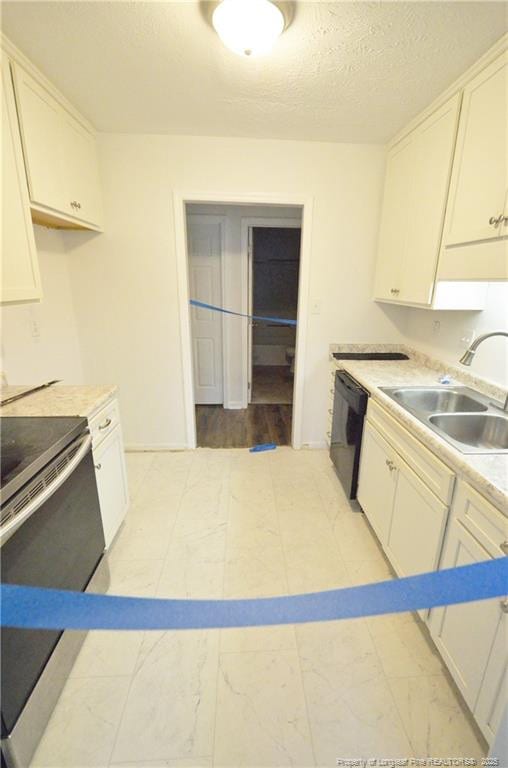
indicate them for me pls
(58, 400)
(488, 473)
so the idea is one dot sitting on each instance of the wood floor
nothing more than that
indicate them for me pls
(272, 384)
(220, 428)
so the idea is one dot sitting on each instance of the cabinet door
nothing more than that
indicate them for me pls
(492, 697)
(465, 633)
(479, 179)
(395, 221)
(377, 482)
(418, 523)
(60, 156)
(111, 483)
(20, 270)
(433, 145)
(81, 171)
(40, 122)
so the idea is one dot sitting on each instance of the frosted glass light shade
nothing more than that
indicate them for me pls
(248, 27)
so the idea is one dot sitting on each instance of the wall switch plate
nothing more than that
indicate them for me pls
(436, 327)
(34, 324)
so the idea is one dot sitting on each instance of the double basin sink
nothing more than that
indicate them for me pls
(463, 417)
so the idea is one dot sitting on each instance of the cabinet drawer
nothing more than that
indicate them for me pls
(486, 523)
(436, 475)
(104, 422)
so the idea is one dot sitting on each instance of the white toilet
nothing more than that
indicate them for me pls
(290, 357)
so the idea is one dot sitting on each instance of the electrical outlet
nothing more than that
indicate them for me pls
(315, 308)
(436, 327)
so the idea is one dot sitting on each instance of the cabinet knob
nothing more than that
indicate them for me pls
(504, 547)
(504, 605)
(494, 221)
(395, 290)
(391, 466)
(98, 466)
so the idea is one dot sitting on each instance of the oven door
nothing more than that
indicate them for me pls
(58, 544)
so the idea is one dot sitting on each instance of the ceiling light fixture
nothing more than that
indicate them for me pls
(248, 27)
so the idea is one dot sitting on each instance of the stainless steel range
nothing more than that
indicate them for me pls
(51, 536)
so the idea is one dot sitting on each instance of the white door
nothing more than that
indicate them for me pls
(434, 142)
(20, 270)
(111, 483)
(395, 221)
(81, 171)
(377, 482)
(464, 633)
(479, 179)
(40, 118)
(204, 243)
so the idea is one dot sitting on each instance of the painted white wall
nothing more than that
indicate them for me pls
(125, 283)
(491, 360)
(53, 353)
(232, 260)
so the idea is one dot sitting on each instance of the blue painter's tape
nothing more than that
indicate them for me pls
(34, 608)
(260, 318)
(263, 447)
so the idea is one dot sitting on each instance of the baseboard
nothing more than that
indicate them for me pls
(315, 444)
(140, 447)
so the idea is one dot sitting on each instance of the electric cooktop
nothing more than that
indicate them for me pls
(27, 444)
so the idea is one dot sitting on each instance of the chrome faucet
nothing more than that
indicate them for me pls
(467, 357)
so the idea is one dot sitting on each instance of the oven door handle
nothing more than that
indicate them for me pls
(12, 525)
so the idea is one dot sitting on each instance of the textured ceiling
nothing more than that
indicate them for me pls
(342, 71)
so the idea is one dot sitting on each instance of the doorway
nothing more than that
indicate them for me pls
(274, 266)
(246, 422)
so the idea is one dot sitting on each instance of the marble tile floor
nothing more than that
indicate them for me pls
(225, 523)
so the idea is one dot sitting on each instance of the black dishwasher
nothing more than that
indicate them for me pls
(349, 407)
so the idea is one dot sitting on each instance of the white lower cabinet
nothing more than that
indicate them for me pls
(110, 473)
(410, 521)
(417, 526)
(377, 481)
(464, 633)
(407, 517)
(471, 637)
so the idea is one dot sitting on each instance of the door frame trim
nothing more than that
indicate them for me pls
(246, 225)
(180, 199)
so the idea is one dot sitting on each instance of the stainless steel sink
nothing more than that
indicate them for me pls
(485, 431)
(437, 400)
(463, 417)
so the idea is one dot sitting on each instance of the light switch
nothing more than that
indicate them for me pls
(315, 308)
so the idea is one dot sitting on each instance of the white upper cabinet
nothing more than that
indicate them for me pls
(444, 219)
(60, 157)
(479, 182)
(416, 187)
(394, 222)
(20, 271)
